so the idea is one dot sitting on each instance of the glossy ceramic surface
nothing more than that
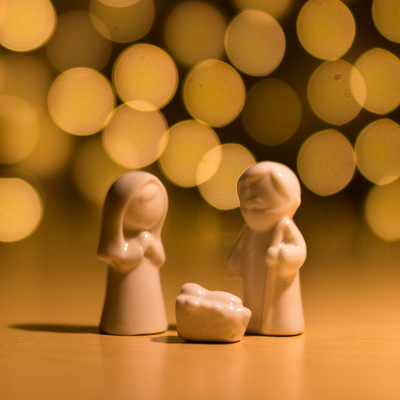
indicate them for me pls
(270, 250)
(130, 242)
(210, 316)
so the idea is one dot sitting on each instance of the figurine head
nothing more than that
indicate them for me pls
(136, 202)
(268, 192)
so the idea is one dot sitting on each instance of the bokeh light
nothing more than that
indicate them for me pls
(378, 151)
(382, 210)
(188, 143)
(52, 152)
(20, 209)
(326, 162)
(255, 42)
(194, 31)
(93, 170)
(125, 21)
(381, 72)
(276, 8)
(221, 189)
(145, 74)
(19, 129)
(76, 43)
(272, 112)
(26, 77)
(326, 28)
(81, 101)
(26, 24)
(336, 92)
(386, 15)
(214, 93)
(135, 138)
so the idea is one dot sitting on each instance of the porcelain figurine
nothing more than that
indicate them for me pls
(130, 242)
(210, 316)
(270, 250)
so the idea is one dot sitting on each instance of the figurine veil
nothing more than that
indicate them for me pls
(270, 250)
(130, 242)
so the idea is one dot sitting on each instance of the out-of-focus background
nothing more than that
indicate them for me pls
(195, 92)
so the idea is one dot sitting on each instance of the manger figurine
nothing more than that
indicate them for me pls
(130, 242)
(270, 250)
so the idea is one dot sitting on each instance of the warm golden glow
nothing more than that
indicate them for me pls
(326, 162)
(276, 8)
(20, 209)
(386, 15)
(326, 28)
(94, 171)
(145, 73)
(118, 3)
(194, 32)
(221, 189)
(126, 22)
(381, 72)
(19, 129)
(52, 152)
(336, 92)
(135, 138)
(188, 142)
(26, 77)
(378, 151)
(81, 101)
(255, 43)
(272, 112)
(382, 210)
(26, 24)
(214, 93)
(76, 43)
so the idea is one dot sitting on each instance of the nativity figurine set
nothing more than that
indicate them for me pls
(267, 256)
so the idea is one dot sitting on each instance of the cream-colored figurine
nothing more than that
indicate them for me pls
(270, 250)
(210, 316)
(130, 242)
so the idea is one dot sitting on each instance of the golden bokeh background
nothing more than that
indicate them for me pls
(193, 92)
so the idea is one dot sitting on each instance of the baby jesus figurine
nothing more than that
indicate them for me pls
(130, 242)
(270, 250)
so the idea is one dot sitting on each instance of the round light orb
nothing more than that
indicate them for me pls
(214, 93)
(380, 70)
(276, 8)
(145, 73)
(127, 22)
(194, 31)
(255, 43)
(81, 101)
(21, 209)
(386, 16)
(118, 3)
(221, 189)
(272, 112)
(94, 171)
(19, 129)
(26, 77)
(135, 138)
(378, 151)
(382, 210)
(336, 92)
(326, 28)
(52, 152)
(26, 25)
(188, 143)
(326, 162)
(76, 43)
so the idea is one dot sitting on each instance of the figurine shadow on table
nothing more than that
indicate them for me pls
(270, 250)
(130, 242)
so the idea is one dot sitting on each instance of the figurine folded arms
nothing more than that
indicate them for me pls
(130, 242)
(270, 250)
